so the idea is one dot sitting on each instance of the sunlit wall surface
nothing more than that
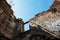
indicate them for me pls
(26, 9)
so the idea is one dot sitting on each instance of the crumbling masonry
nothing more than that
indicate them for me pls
(44, 26)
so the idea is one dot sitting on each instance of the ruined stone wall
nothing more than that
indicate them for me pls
(8, 21)
(49, 21)
(44, 26)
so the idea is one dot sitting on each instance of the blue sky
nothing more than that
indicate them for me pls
(27, 9)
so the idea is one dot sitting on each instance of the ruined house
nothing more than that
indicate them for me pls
(44, 26)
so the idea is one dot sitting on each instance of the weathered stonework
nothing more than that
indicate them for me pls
(49, 21)
(9, 24)
(44, 26)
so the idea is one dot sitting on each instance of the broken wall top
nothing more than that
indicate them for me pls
(55, 3)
